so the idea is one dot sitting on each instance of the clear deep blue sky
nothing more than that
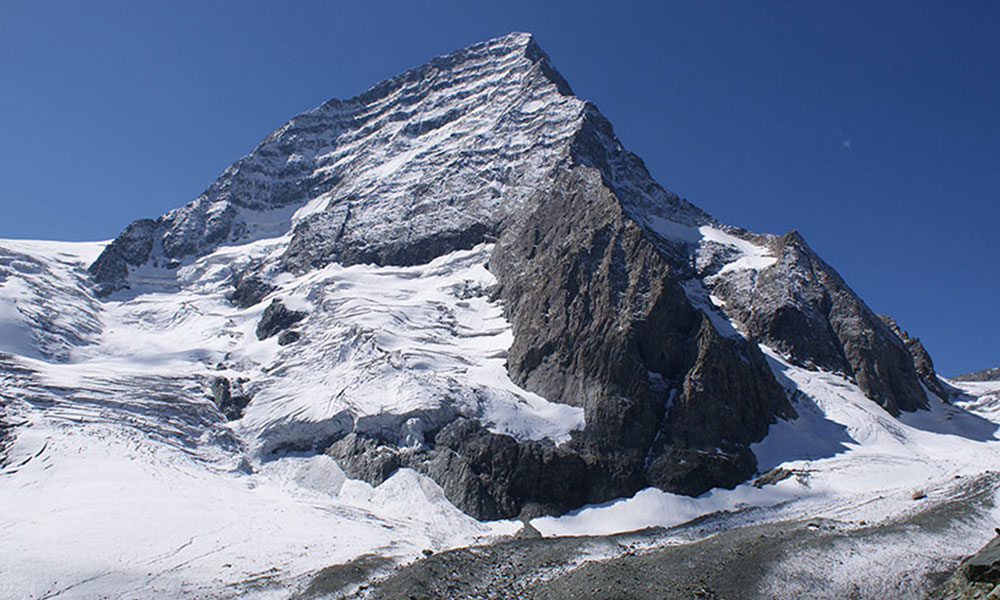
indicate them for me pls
(873, 130)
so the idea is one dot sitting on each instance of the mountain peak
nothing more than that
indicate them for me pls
(486, 145)
(507, 49)
(426, 161)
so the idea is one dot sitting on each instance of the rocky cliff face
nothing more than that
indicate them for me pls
(602, 321)
(800, 306)
(624, 299)
(921, 360)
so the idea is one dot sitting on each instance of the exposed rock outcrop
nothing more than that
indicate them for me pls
(133, 247)
(366, 458)
(487, 475)
(249, 289)
(800, 306)
(976, 578)
(921, 360)
(230, 398)
(984, 375)
(289, 336)
(601, 321)
(276, 319)
(493, 474)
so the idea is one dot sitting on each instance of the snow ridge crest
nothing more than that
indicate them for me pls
(416, 163)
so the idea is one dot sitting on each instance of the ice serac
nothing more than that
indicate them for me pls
(624, 299)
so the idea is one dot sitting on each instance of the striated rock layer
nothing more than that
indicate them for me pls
(624, 299)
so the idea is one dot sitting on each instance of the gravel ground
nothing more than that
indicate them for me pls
(714, 557)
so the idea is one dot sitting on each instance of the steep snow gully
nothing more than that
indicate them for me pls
(424, 317)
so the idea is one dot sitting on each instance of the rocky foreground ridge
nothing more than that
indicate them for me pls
(976, 578)
(624, 299)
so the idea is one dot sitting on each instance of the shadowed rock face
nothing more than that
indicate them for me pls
(601, 321)
(488, 144)
(131, 248)
(921, 360)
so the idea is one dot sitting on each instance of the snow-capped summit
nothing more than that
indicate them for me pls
(457, 289)
(620, 294)
(430, 160)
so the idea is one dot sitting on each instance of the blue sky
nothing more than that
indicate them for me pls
(872, 128)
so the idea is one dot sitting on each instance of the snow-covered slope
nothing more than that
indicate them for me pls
(462, 286)
(843, 457)
(45, 307)
(124, 478)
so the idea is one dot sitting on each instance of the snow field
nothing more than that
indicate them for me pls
(125, 480)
